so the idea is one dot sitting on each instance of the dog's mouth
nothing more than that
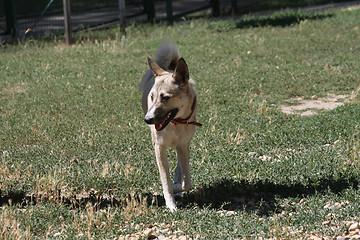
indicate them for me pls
(166, 120)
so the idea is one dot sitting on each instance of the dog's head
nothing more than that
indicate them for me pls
(168, 95)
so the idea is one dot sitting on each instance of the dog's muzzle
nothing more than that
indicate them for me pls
(161, 121)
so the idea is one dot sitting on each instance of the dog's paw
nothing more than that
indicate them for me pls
(172, 209)
(170, 202)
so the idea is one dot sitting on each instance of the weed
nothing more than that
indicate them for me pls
(353, 149)
(135, 206)
(10, 226)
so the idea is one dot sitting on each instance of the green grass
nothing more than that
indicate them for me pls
(76, 160)
(284, 4)
(283, 18)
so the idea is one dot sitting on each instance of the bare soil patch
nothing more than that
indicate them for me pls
(308, 107)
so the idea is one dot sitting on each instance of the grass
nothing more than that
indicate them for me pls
(285, 4)
(284, 18)
(76, 160)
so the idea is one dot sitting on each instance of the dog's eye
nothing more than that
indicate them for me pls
(164, 98)
(152, 97)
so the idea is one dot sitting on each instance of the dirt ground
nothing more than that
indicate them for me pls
(308, 107)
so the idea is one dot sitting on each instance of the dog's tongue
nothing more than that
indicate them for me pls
(158, 126)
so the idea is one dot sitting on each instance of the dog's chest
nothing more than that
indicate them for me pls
(173, 136)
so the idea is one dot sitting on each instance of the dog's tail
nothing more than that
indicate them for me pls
(167, 56)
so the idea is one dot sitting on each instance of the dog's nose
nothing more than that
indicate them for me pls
(150, 115)
(149, 120)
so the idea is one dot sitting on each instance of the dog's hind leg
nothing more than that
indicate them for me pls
(182, 180)
(177, 176)
(163, 165)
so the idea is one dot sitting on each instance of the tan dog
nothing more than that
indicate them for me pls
(169, 105)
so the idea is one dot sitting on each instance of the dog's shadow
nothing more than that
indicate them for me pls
(261, 197)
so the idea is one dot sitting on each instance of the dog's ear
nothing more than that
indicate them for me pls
(156, 69)
(181, 73)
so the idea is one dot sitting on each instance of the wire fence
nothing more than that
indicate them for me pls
(41, 17)
(33, 18)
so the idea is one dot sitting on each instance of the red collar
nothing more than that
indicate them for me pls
(186, 120)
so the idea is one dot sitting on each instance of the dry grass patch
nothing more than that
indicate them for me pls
(13, 90)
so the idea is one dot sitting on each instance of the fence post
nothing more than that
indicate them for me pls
(234, 6)
(67, 22)
(216, 8)
(169, 11)
(122, 17)
(149, 9)
(11, 19)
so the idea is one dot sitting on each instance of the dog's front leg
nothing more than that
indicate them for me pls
(163, 165)
(182, 180)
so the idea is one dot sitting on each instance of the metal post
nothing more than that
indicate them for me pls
(234, 6)
(216, 8)
(169, 11)
(67, 21)
(122, 17)
(149, 8)
(11, 19)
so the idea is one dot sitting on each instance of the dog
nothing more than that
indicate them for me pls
(169, 105)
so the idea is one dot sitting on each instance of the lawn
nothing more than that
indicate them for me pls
(76, 160)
